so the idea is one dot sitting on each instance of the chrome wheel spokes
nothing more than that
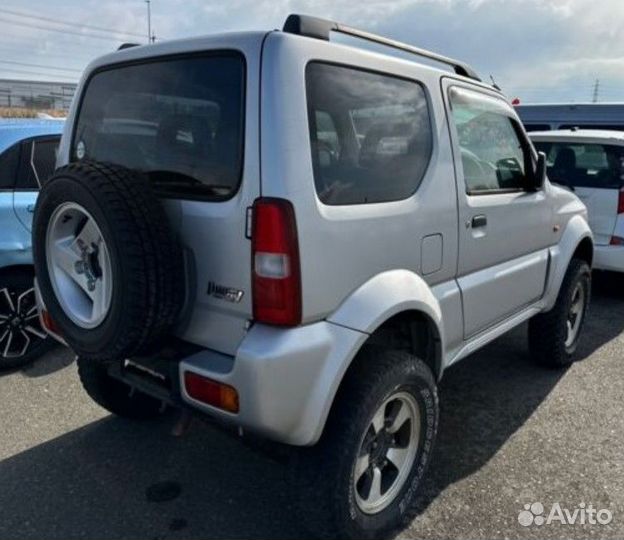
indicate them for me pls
(19, 323)
(387, 453)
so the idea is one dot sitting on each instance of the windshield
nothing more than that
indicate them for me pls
(584, 164)
(178, 120)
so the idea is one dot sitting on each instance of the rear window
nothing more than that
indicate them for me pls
(584, 164)
(178, 120)
(370, 134)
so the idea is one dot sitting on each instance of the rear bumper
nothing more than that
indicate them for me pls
(609, 258)
(286, 378)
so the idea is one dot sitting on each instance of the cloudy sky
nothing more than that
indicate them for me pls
(537, 50)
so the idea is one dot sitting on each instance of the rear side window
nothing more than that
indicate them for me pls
(584, 164)
(370, 134)
(38, 160)
(9, 160)
(179, 120)
(494, 155)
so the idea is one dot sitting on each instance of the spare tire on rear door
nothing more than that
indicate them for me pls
(108, 265)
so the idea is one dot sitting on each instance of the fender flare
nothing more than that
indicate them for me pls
(577, 230)
(385, 295)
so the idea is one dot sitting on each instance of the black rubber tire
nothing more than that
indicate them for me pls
(323, 473)
(115, 396)
(145, 257)
(17, 281)
(548, 331)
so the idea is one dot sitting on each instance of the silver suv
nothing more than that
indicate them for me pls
(298, 237)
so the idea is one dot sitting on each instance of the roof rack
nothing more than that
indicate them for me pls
(314, 27)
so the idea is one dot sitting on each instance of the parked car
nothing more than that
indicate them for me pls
(552, 116)
(591, 163)
(27, 156)
(298, 238)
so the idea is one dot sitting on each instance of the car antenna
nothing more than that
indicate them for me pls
(494, 83)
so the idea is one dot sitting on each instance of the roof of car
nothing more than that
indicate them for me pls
(594, 135)
(13, 130)
(234, 40)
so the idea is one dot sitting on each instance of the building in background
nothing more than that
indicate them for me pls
(36, 94)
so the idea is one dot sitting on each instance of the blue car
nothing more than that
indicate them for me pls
(27, 158)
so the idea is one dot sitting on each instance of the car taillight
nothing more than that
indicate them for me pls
(275, 259)
(617, 241)
(213, 393)
(48, 323)
(621, 202)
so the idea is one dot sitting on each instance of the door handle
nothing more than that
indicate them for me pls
(479, 221)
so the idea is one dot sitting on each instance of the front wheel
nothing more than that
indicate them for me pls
(22, 339)
(554, 336)
(361, 479)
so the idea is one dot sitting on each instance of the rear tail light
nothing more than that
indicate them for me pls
(617, 241)
(48, 323)
(621, 202)
(217, 394)
(275, 259)
(50, 326)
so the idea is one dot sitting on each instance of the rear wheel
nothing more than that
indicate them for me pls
(554, 336)
(115, 396)
(21, 337)
(361, 479)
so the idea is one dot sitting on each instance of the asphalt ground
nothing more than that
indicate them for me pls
(511, 434)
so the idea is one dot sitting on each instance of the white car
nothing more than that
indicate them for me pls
(591, 163)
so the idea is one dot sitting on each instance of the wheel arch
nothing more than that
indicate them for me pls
(17, 269)
(391, 305)
(576, 242)
(398, 310)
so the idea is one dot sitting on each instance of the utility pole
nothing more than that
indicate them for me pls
(596, 91)
(150, 37)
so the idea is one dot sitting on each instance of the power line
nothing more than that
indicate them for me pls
(60, 31)
(65, 23)
(12, 70)
(39, 66)
(25, 44)
(19, 52)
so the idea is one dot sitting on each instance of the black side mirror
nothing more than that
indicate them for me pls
(539, 176)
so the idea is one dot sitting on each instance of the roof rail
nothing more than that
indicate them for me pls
(127, 46)
(314, 27)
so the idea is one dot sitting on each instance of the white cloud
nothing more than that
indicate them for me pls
(538, 49)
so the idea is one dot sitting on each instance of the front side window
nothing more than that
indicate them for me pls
(493, 156)
(584, 164)
(370, 134)
(178, 120)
